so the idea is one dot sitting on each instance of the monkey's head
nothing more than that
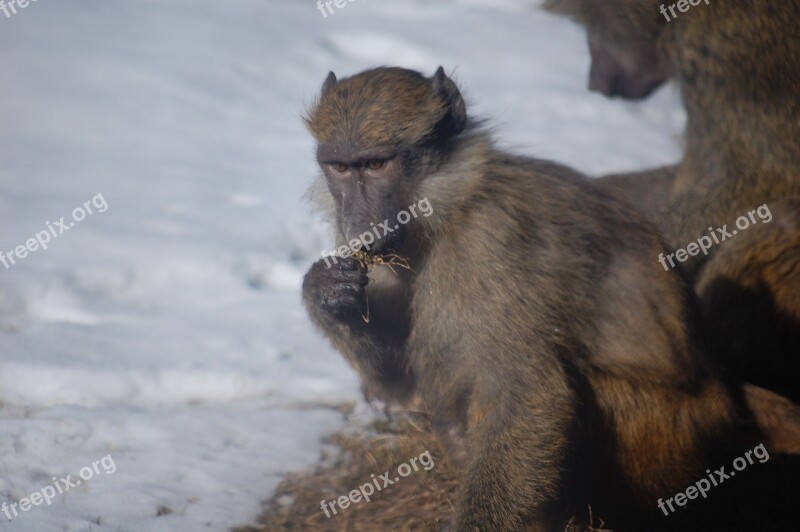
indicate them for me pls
(379, 133)
(624, 43)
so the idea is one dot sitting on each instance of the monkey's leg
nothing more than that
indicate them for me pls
(516, 447)
(750, 298)
(662, 437)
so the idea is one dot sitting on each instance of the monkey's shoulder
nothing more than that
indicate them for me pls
(556, 198)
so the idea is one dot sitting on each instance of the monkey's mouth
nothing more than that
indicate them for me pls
(377, 248)
(385, 243)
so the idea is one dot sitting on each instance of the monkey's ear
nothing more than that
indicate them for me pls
(444, 87)
(329, 82)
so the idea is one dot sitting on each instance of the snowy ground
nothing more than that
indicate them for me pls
(167, 330)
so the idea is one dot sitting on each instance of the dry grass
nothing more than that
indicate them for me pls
(417, 502)
(422, 501)
(761, 498)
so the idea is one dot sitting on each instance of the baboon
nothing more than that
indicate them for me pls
(737, 64)
(560, 362)
(623, 38)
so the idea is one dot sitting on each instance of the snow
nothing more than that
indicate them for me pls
(168, 331)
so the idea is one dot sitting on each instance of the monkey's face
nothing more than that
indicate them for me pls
(630, 69)
(624, 44)
(369, 187)
(379, 133)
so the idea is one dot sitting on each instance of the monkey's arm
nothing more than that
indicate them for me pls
(371, 339)
(517, 444)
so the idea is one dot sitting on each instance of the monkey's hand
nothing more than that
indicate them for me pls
(336, 298)
(336, 290)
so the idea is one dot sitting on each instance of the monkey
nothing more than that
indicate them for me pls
(623, 38)
(737, 64)
(742, 107)
(562, 366)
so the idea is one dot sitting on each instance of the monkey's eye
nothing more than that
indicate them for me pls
(376, 165)
(339, 168)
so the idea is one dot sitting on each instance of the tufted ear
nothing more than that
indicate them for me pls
(456, 118)
(329, 82)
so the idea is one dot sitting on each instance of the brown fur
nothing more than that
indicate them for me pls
(623, 40)
(763, 496)
(737, 63)
(778, 419)
(535, 325)
(372, 115)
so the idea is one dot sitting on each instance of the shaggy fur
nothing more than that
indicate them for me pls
(533, 323)
(737, 63)
(372, 114)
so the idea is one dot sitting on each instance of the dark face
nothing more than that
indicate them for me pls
(379, 133)
(623, 40)
(368, 187)
(629, 69)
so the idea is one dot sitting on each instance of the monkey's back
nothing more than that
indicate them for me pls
(571, 259)
(565, 282)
